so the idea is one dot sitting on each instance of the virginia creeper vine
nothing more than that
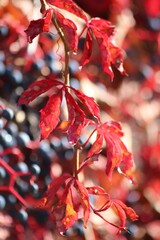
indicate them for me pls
(66, 196)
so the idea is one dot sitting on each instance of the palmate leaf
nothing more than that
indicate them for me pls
(103, 32)
(38, 26)
(70, 31)
(35, 90)
(69, 6)
(76, 119)
(50, 195)
(89, 102)
(50, 115)
(84, 199)
(71, 216)
(65, 197)
(123, 211)
(117, 154)
(87, 51)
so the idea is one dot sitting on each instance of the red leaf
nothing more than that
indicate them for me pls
(38, 26)
(76, 118)
(96, 146)
(101, 27)
(84, 198)
(123, 210)
(126, 163)
(96, 190)
(50, 115)
(49, 198)
(105, 55)
(70, 214)
(89, 102)
(87, 51)
(87, 162)
(69, 6)
(100, 193)
(121, 213)
(103, 31)
(117, 58)
(35, 90)
(116, 152)
(69, 30)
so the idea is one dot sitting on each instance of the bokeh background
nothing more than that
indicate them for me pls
(132, 100)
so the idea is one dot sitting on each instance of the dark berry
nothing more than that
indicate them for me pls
(3, 31)
(2, 68)
(12, 128)
(55, 143)
(75, 83)
(49, 57)
(9, 141)
(16, 77)
(22, 167)
(1, 124)
(73, 66)
(2, 202)
(41, 216)
(8, 114)
(22, 216)
(33, 189)
(38, 64)
(6, 140)
(35, 169)
(2, 173)
(23, 139)
(2, 56)
(21, 186)
(11, 199)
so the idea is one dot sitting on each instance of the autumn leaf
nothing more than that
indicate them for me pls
(116, 57)
(65, 197)
(123, 211)
(117, 154)
(38, 26)
(89, 102)
(50, 197)
(87, 51)
(50, 115)
(103, 32)
(96, 146)
(35, 90)
(69, 6)
(70, 31)
(76, 118)
(84, 199)
(70, 214)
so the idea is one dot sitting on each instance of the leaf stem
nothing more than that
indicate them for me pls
(44, 6)
(66, 49)
(76, 162)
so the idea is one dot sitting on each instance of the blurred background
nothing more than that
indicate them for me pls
(133, 100)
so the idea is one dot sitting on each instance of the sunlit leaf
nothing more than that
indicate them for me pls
(123, 211)
(76, 118)
(88, 102)
(38, 26)
(70, 31)
(35, 90)
(84, 199)
(87, 51)
(96, 146)
(70, 214)
(116, 152)
(50, 115)
(69, 6)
